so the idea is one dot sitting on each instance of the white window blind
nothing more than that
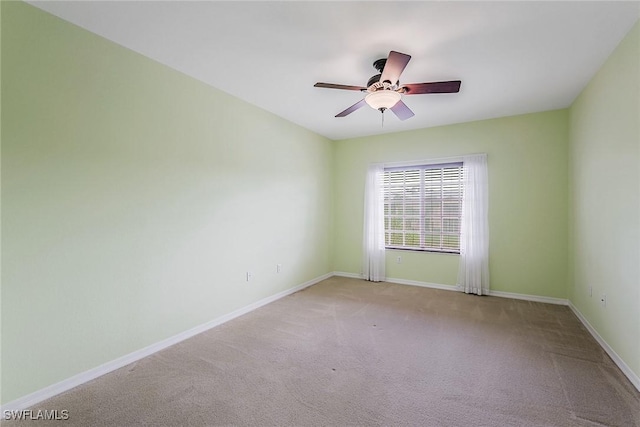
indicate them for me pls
(422, 207)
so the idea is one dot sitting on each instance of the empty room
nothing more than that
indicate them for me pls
(320, 213)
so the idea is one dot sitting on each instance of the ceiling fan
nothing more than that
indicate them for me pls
(384, 90)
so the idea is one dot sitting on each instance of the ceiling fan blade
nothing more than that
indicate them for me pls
(402, 111)
(351, 109)
(396, 62)
(334, 86)
(433, 87)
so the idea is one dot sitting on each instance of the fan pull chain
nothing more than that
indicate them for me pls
(382, 114)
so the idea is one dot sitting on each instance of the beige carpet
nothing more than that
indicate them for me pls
(349, 352)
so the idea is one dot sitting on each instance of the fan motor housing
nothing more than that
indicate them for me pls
(374, 79)
(379, 64)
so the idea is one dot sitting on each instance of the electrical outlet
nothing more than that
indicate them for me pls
(278, 268)
(603, 300)
(399, 260)
(249, 276)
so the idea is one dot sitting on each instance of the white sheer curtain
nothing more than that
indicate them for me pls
(473, 273)
(373, 261)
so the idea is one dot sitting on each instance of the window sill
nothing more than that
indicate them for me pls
(431, 251)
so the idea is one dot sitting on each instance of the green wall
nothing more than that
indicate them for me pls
(135, 199)
(0, 204)
(605, 203)
(527, 158)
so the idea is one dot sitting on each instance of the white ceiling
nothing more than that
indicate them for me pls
(512, 57)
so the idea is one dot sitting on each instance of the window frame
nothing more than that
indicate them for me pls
(422, 216)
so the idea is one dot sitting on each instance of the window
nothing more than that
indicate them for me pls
(422, 207)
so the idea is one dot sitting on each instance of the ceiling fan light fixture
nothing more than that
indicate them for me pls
(382, 99)
(383, 94)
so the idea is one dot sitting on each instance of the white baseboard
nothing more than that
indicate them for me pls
(633, 377)
(534, 298)
(349, 275)
(421, 284)
(398, 281)
(83, 377)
